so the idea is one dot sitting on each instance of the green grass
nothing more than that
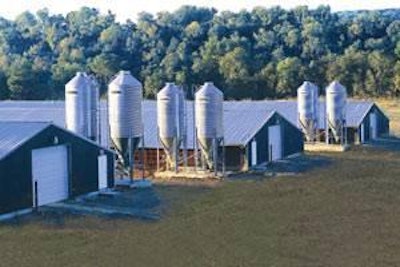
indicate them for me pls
(392, 109)
(347, 214)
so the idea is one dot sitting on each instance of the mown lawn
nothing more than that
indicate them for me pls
(345, 214)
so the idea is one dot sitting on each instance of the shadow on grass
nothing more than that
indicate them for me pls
(391, 143)
(49, 218)
(285, 167)
(140, 204)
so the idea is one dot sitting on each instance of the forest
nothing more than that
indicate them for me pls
(263, 53)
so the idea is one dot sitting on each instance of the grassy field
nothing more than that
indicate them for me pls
(344, 214)
(392, 109)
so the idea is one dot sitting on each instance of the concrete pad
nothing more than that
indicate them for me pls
(122, 182)
(187, 174)
(135, 183)
(108, 192)
(11, 215)
(142, 183)
(323, 147)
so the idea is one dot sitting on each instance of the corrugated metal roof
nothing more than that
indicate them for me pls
(240, 125)
(44, 111)
(242, 119)
(14, 134)
(355, 109)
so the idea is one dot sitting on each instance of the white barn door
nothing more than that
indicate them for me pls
(373, 124)
(362, 134)
(49, 175)
(253, 153)
(102, 171)
(274, 142)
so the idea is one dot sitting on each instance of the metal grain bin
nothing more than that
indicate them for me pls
(209, 119)
(171, 120)
(77, 105)
(307, 103)
(94, 109)
(336, 97)
(125, 114)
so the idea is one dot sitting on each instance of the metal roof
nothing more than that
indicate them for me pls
(14, 134)
(356, 110)
(125, 78)
(240, 125)
(242, 119)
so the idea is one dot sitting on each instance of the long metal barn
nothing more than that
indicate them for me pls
(252, 135)
(244, 122)
(364, 119)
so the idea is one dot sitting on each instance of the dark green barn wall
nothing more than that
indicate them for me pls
(16, 168)
(262, 146)
(366, 128)
(84, 161)
(292, 140)
(383, 123)
(15, 182)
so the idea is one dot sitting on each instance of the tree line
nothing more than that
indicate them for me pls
(257, 54)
